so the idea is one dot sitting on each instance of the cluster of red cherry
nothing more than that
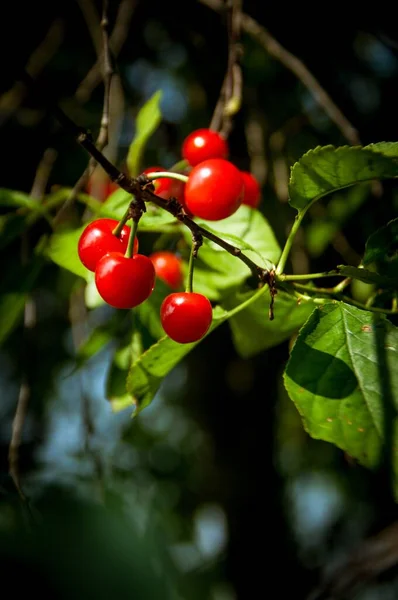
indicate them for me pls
(124, 279)
(215, 188)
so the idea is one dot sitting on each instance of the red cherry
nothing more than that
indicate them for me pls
(214, 189)
(97, 239)
(168, 268)
(166, 188)
(186, 316)
(203, 144)
(252, 192)
(124, 282)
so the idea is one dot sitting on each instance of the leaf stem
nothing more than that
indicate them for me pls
(333, 295)
(342, 285)
(118, 229)
(307, 276)
(289, 242)
(130, 246)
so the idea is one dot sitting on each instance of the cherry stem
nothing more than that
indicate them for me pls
(181, 165)
(197, 241)
(166, 175)
(130, 246)
(189, 287)
(118, 229)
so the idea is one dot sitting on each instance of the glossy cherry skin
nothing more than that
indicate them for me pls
(124, 282)
(186, 316)
(214, 189)
(167, 188)
(168, 268)
(97, 240)
(203, 144)
(252, 191)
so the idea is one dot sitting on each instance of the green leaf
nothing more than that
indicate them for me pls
(382, 250)
(327, 169)
(155, 219)
(16, 199)
(148, 120)
(367, 276)
(62, 249)
(150, 368)
(343, 378)
(253, 332)
(247, 228)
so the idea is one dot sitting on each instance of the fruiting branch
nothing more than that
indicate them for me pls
(139, 187)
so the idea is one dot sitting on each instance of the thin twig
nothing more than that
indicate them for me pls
(37, 192)
(370, 560)
(330, 294)
(297, 67)
(103, 135)
(116, 41)
(230, 99)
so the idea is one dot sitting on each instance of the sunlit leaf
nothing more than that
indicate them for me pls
(247, 228)
(147, 121)
(147, 373)
(62, 250)
(327, 169)
(343, 377)
(154, 219)
(253, 332)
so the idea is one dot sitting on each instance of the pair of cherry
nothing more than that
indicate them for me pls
(126, 281)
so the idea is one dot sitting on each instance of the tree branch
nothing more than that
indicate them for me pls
(297, 67)
(37, 193)
(116, 41)
(230, 99)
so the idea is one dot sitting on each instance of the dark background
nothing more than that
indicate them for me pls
(222, 450)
